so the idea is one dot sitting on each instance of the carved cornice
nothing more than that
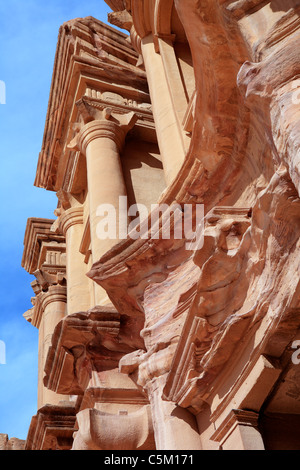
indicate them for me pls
(45, 257)
(87, 49)
(38, 232)
(94, 107)
(117, 102)
(83, 343)
(46, 278)
(52, 428)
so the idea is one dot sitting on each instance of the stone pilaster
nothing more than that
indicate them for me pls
(70, 223)
(101, 140)
(53, 308)
(239, 432)
(169, 130)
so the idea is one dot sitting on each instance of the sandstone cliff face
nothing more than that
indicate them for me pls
(200, 340)
(243, 165)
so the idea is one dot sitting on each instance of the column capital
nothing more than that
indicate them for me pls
(233, 419)
(72, 216)
(55, 293)
(99, 123)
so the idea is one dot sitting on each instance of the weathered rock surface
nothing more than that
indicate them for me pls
(187, 348)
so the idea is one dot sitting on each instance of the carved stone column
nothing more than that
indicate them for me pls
(169, 132)
(239, 432)
(151, 36)
(78, 288)
(102, 140)
(165, 43)
(53, 308)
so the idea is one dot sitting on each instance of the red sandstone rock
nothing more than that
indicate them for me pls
(187, 349)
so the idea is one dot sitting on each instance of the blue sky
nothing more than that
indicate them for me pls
(28, 38)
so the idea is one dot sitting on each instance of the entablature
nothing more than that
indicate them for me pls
(84, 344)
(44, 256)
(42, 247)
(52, 428)
(89, 71)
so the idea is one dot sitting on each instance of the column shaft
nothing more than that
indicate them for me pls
(102, 141)
(169, 133)
(54, 309)
(78, 284)
(106, 184)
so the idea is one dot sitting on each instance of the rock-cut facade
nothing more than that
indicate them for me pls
(147, 342)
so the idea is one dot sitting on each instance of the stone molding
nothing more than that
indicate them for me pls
(84, 47)
(38, 231)
(81, 343)
(44, 257)
(112, 126)
(70, 217)
(55, 293)
(234, 418)
(52, 428)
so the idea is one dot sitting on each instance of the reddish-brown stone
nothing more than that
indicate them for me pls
(171, 348)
